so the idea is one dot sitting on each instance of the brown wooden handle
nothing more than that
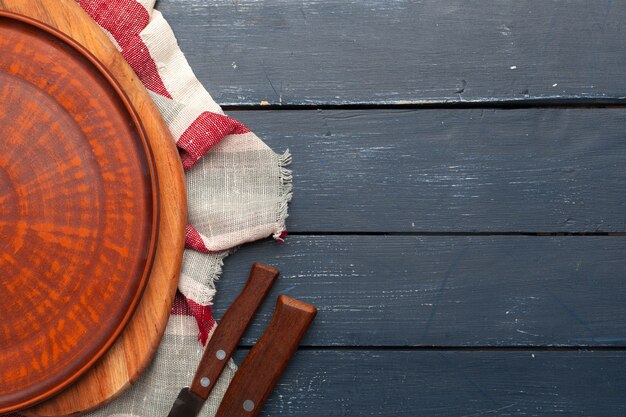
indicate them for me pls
(267, 360)
(231, 328)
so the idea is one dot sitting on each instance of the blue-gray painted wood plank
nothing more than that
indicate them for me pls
(380, 51)
(435, 171)
(403, 291)
(461, 170)
(451, 384)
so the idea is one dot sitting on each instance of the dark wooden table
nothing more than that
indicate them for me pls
(459, 212)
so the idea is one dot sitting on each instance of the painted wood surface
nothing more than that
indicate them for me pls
(448, 383)
(379, 51)
(452, 170)
(426, 232)
(402, 291)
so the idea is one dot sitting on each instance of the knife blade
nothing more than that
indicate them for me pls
(224, 341)
(267, 360)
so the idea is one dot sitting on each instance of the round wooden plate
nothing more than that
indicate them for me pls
(78, 211)
(124, 362)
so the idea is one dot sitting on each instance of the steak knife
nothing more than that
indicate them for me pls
(224, 341)
(267, 360)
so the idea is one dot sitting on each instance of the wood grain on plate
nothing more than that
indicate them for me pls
(79, 205)
(132, 351)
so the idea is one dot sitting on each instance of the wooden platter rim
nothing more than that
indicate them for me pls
(122, 365)
(111, 337)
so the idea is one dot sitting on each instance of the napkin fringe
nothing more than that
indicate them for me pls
(285, 195)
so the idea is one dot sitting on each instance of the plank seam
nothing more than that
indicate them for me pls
(429, 105)
(462, 234)
(455, 348)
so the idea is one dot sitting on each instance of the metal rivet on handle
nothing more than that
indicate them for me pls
(205, 382)
(220, 354)
(248, 405)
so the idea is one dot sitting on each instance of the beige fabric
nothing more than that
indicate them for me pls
(237, 193)
(156, 390)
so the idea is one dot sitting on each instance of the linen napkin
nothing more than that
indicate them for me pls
(238, 190)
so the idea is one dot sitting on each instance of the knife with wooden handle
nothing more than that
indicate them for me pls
(224, 341)
(267, 360)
